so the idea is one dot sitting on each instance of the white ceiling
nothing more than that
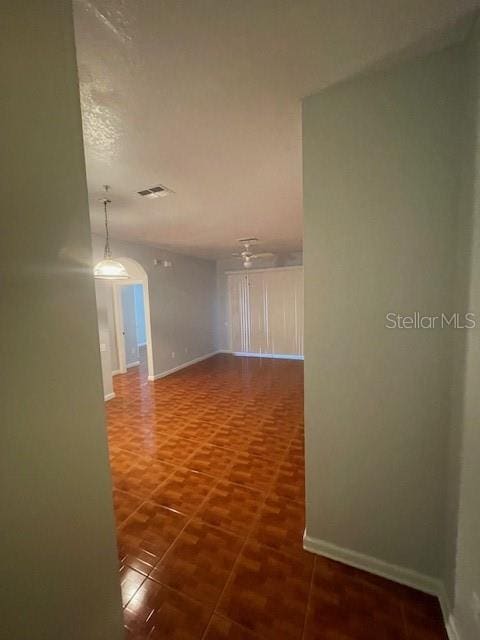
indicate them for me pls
(204, 96)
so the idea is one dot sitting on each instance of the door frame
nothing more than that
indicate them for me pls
(118, 316)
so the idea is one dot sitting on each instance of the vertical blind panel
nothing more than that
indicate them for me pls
(266, 311)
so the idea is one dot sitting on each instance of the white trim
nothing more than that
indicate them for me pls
(163, 374)
(450, 626)
(133, 364)
(405, 576)
(116, 372)
(109, 396)
(260, 270)
(448, 618)
(142, 278)
(282, 356)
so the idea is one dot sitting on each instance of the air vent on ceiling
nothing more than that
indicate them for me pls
(155, 192)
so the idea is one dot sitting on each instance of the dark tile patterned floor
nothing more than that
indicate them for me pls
(208, 473)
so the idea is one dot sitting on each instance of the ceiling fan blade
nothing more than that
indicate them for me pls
(263, 255)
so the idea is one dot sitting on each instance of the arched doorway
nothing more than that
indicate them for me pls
(138, 276)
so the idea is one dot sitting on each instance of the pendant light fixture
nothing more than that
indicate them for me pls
(108, 269)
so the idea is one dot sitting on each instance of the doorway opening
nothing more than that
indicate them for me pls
(131, 306)
(133, 313)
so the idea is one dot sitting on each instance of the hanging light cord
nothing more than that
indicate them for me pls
(107, 253)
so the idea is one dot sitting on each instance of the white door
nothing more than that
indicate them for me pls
(284, 311)
(266, 311)
(258, 316)
(239, 312)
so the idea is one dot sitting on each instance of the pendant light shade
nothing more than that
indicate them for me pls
(109, 269)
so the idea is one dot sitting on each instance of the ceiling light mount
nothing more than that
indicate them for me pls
(248, 256)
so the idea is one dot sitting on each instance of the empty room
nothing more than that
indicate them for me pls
(241, 311)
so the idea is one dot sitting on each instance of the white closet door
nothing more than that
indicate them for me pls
(284, 304)
(266, 311)
(281, 312)
(239, 312)
(258, 316)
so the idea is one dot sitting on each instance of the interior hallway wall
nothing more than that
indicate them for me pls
(465, 452)
(112, 330)
(107, 330)
(182, 302)
(381, 174)
(462, 242)
(58, 551)
(105, 338)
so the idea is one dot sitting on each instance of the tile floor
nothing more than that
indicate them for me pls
(208, 477)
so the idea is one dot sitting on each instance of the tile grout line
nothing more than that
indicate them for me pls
(247, 538)
(240, 552)
(267, 491)
(214, 608)
(246, 541)
(309, 599)
(220, 615)
(406, 633)
(189, 519)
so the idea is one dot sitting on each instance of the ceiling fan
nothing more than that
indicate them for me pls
(247, 255)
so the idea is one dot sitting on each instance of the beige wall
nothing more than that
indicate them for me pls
(107, 331)
(461, 242)
(107, 338)
(392, 209)
(381, 171)
(112, 332)
(466, 431)
(58, 555)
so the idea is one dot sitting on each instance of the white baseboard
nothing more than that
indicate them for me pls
(116, 372)
(163, 374)
(109, 396)
(448, 618)
(451, 628)
(133, 364)
(393, 572)
(381, 568)
(265, 355)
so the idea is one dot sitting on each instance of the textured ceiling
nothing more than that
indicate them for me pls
(204, 97)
